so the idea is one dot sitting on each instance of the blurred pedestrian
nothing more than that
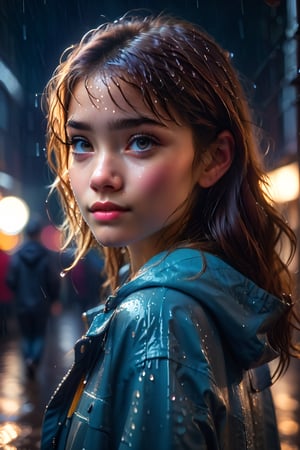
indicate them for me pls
(6, 294)
(34, 278)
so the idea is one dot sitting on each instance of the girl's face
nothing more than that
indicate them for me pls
(130, 171)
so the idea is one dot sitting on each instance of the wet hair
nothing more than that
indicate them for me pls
(182, 74)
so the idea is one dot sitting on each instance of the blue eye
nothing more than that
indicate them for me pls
(142, 143)
(80, 145)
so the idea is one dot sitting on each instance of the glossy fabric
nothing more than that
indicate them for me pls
(175, 360)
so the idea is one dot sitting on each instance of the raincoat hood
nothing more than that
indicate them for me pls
(32, 252)
(242, 311)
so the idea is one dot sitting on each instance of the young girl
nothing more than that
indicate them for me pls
(154, 152)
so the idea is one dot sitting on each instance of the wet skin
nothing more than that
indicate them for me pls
(130, 171)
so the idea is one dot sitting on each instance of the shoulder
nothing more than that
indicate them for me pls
(167, 289)
(162, 322)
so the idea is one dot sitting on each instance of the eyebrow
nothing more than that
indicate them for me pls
(116, 124)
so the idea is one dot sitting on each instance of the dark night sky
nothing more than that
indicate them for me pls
(43, 28)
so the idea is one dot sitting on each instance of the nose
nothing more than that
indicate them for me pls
(106, 174)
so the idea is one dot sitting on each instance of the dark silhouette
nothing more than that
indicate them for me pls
(6, 294)
(35, 280)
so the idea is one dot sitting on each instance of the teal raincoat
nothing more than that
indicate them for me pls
(175, 360)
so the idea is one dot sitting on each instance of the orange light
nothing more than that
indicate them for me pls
(9, 242)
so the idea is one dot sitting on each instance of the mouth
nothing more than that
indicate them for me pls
(105, 212)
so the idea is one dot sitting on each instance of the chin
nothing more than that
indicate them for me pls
(110, 243)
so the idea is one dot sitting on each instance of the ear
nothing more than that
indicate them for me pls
(218, 160)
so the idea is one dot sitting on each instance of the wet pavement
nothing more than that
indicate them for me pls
(22, 401)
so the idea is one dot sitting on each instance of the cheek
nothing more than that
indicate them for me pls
(154, 181)
(76, 182)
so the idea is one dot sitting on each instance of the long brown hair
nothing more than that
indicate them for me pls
(177, 66)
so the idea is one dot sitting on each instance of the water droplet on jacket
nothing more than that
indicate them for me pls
(180, 419)
(151, 377)
(181, 430)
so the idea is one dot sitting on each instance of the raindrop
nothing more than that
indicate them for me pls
(151, 377)
(24, 29)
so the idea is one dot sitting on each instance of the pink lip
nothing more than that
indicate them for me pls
(107, 211)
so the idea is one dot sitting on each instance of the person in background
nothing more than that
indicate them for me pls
(6, 295)
(156, 160)
(35, 281)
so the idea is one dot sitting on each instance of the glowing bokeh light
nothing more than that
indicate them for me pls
(284, 183)
(9, 242)
(51, 238)
(14, 215)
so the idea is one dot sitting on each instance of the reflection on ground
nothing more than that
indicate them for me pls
(22, 401)
(286, 392)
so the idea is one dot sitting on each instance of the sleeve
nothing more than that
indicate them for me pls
(168, 398)
(12, 273)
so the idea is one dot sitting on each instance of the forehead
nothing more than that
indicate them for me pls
(100, 93)
(117, 96)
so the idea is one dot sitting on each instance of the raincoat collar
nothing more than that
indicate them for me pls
(243, 312)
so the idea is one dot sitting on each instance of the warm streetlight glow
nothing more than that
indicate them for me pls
(14, 214)
(8, 242)
(284, 183)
